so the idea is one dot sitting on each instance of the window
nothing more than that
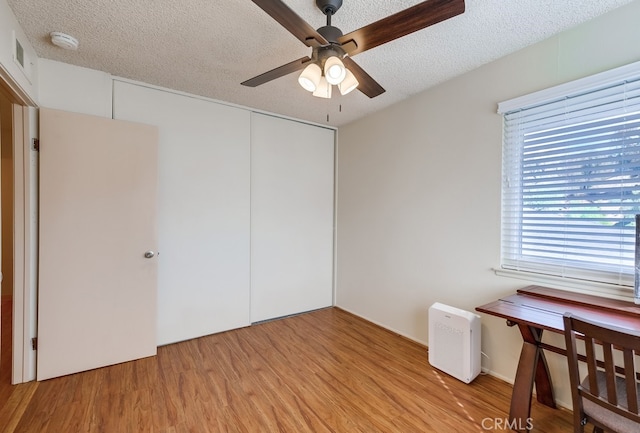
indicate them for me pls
(571, 179)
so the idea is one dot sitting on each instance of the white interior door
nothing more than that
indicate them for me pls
(292, 180)
(97, 290)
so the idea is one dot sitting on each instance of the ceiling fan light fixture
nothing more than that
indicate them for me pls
(329, 41)
(349, 83)
(323, 90)
(310, 77)
(334, 70)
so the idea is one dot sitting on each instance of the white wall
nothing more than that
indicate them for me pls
(24, 79)
(419, 190)
(72, 88)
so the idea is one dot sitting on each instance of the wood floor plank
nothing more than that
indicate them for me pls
(322, 372)
(13, 409)
(6, 311)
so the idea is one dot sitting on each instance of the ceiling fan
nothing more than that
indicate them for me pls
(331, 60)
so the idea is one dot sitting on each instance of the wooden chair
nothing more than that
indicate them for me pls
(608, 396)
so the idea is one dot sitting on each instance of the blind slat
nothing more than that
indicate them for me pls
(571, 183)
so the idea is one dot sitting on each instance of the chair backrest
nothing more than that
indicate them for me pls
(607, 382)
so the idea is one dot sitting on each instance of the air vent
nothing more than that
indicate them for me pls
(21, 58)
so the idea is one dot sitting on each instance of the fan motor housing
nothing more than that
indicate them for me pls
(330, 33)
(323, 53)
(329, 7)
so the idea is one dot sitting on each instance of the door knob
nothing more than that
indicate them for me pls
(149, 254)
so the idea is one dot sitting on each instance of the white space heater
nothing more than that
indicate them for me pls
(454, 341)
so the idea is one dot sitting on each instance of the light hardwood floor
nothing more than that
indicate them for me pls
(324, 371)
(5, 349)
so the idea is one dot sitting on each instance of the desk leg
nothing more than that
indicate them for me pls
(532, 368)
(544, 387)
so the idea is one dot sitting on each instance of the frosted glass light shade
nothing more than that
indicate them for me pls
(310, 77)
(349, 83)
(324, 89)
(334, 70)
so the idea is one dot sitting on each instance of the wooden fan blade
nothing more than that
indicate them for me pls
(292, 22)
(281, 71)
(368, 85)
(401, 24)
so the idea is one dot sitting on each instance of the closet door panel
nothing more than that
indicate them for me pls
(204, 199)
(292, 198)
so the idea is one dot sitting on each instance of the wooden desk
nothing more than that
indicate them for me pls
(534, 309)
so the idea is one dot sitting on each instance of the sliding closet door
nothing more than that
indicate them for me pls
(203, 221)
(291, 217)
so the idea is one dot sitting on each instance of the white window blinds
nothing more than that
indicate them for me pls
(571, 181)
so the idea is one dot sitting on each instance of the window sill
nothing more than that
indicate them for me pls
(614, 291)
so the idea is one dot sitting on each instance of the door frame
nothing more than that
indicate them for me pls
(25, 172)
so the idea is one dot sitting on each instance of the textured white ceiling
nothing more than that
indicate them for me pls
(208, 47)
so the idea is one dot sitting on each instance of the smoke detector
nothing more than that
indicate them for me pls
(64, 40)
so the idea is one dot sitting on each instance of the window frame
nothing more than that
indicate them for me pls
(583, 85)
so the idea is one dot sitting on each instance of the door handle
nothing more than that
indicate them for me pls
(149, 254)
